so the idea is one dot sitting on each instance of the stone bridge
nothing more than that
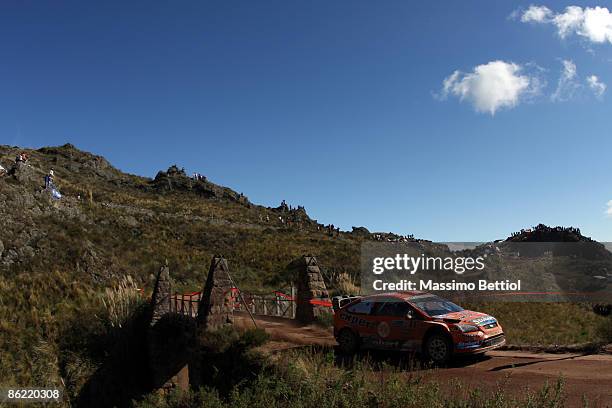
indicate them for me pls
(177, 319)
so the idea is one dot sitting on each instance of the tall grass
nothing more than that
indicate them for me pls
(344, 284)
(305, 380)
(604, 330)
(121, 301)
(544, 323)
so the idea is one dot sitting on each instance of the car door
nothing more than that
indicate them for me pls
(359, 317)
(397, 325)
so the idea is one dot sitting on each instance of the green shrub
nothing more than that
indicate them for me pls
(204, 397)
(325, 319)
(604, 330)
(220, 340)
(252, 338)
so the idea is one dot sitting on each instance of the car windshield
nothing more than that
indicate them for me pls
(434, 305)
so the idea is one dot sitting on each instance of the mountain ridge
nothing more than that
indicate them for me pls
(185, 219)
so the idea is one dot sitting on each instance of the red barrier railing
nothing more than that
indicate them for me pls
(312, 301)
(188, 303)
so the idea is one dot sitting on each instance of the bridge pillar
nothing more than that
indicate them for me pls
(216, 305)
(310, 286)
(168, 339)
(160, 301)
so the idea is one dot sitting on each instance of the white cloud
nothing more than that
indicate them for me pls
(598, 89)
(609, 209)
(596, 25)
(536, 14)
(567, 85)
(492, 86)
(571, 86)
(568, 22)
(592, 23)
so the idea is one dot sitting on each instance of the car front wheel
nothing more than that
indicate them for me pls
(438, 348)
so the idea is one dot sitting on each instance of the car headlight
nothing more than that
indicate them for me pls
(466, 328)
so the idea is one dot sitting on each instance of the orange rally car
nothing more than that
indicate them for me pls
(414, 321)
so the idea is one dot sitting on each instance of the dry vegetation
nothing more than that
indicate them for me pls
(546, 324)
(59, 321)
(313, 379)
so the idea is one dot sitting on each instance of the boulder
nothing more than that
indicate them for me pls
(362, 231)
(25, 174)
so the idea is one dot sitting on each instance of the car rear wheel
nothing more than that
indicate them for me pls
(348, 341)
(438, 348)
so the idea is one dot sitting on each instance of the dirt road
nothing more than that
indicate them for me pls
(587, 375)
(583, 375)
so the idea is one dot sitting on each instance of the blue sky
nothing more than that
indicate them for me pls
(339, 106)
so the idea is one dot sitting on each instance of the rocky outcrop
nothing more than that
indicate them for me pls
(68, 159)
(557, 241)
(25, 174)
(544, 233)
(175, 179)
(361, 231)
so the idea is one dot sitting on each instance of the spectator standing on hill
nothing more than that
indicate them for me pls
(49, 179)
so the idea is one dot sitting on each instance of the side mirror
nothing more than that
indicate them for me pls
(410, 314)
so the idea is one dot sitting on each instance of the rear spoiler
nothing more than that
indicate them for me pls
(339, 302)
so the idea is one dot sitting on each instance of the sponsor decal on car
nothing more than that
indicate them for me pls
(356, 321)
(484, 320)
(383, 329)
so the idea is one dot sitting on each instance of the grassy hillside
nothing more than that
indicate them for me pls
(133, 224)
(59, 257)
